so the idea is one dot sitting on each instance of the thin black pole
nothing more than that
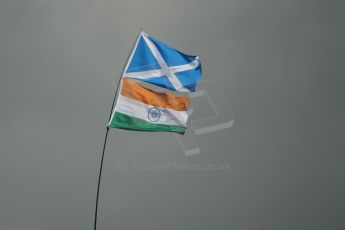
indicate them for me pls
(106, 134)
(101, 166)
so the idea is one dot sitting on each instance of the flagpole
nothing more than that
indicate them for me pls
(107, 129)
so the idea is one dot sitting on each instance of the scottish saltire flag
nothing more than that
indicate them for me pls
(142, 109)
(154, 62)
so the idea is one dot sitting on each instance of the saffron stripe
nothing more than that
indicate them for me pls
(168, 100)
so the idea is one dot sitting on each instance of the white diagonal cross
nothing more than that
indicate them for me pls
(164, 70)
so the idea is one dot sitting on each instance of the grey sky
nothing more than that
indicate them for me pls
(280, 63)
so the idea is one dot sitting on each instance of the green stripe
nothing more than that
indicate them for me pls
(123, 121)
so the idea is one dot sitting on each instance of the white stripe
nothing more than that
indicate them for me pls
(159, 73)
(165, 68)
(140, 110)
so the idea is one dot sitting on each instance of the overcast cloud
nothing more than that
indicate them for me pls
(279, 63)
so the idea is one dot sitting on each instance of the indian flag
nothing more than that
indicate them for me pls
(142, 109)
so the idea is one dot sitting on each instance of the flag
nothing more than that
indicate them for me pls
(142, 109)
(154, 62)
